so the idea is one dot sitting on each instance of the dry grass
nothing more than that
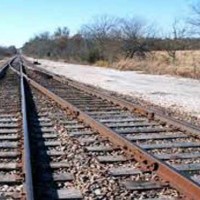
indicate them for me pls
(187, 64)
(102, 63)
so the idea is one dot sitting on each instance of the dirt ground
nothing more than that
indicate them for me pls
(3, 61)
(182, 94)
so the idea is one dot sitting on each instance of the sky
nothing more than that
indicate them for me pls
(22, 19)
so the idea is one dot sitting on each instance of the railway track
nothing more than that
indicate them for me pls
(69, 165)
(104, 174)
(87, 145)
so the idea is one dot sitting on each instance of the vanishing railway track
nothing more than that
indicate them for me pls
(82, 144)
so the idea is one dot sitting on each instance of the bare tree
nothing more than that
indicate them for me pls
(60, 39)
(102, 32)
(174, 41)
(43, 36)
(194, 19)
(136, 34)
(61, 32)
(101, 28)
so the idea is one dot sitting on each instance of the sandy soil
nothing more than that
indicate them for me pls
(166, 91)
(2, 62)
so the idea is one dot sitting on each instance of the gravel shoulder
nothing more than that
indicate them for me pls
(180, 95)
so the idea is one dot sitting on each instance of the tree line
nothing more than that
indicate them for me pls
(110, 38)
(7, 51)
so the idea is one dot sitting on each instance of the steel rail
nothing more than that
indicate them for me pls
(27, 154)
(186, 186)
